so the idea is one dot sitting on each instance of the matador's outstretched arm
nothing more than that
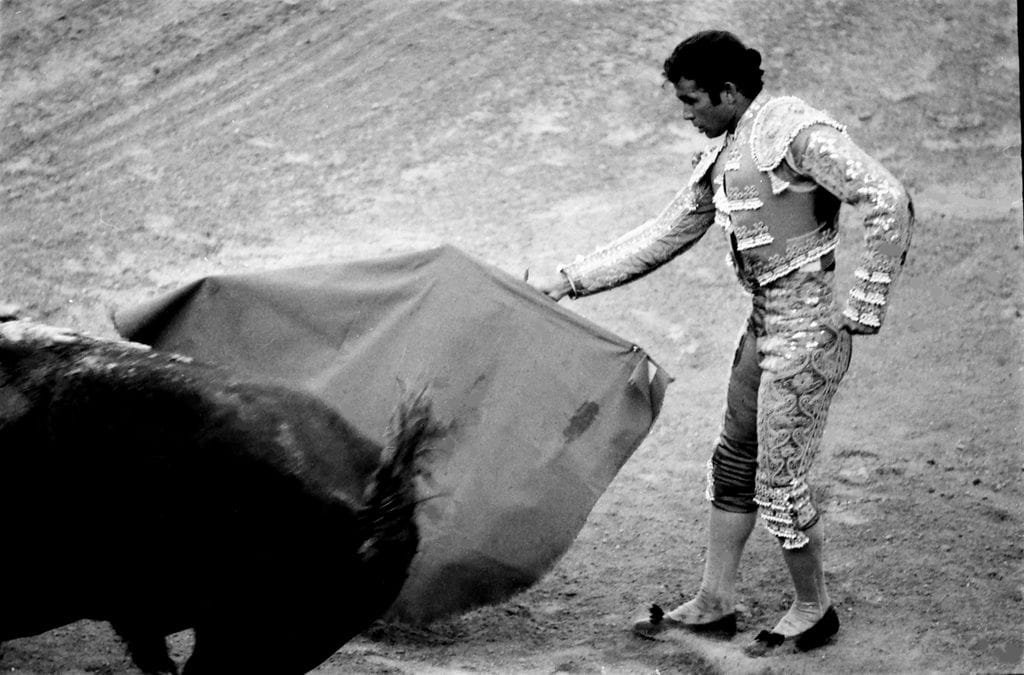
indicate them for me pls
(675, 230)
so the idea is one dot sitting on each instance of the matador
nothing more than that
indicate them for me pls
(772, 181)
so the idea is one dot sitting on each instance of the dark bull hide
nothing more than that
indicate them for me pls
(159, 494)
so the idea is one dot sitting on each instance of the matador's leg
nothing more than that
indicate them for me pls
(732, 511)
(730, 491)
(804, 358)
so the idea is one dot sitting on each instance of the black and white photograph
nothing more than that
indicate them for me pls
(430, 337)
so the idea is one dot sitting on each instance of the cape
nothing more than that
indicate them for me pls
(544, 407)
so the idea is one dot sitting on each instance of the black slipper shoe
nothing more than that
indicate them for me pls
(658, 622)
(812, 638)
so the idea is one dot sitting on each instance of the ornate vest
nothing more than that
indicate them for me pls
(776, 220)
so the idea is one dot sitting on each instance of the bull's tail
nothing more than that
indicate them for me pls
(391, 496)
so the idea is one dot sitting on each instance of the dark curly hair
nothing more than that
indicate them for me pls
(713, 57)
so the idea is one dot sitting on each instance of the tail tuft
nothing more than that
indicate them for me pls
(410, 435)
(391, 496)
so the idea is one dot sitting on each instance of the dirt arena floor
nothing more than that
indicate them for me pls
(147, 143)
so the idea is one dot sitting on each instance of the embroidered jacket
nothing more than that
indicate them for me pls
(774, 186)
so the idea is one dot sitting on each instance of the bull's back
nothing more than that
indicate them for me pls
(143, 487)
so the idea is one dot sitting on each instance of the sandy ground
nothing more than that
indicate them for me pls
(144, 144)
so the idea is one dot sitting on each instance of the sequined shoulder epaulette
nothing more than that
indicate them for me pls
(777, 124)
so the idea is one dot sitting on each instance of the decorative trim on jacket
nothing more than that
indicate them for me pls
(795, 149)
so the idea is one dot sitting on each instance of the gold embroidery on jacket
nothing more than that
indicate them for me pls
(778, 123)
(838, 165)
(753, 235)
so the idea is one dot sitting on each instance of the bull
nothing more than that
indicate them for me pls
(160, 494)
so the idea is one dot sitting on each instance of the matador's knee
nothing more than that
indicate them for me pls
(730, 476)
(787, 511)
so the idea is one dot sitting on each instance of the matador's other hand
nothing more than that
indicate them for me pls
(854, 328)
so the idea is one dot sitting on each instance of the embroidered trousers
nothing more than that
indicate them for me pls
(788, 365)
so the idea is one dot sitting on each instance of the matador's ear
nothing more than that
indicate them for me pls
(729, 92)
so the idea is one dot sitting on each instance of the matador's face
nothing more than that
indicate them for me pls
(711, 119)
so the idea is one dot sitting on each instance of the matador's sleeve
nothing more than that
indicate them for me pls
(835, 162)
(675, 230)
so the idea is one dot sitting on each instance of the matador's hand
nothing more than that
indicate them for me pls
(555, 286)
